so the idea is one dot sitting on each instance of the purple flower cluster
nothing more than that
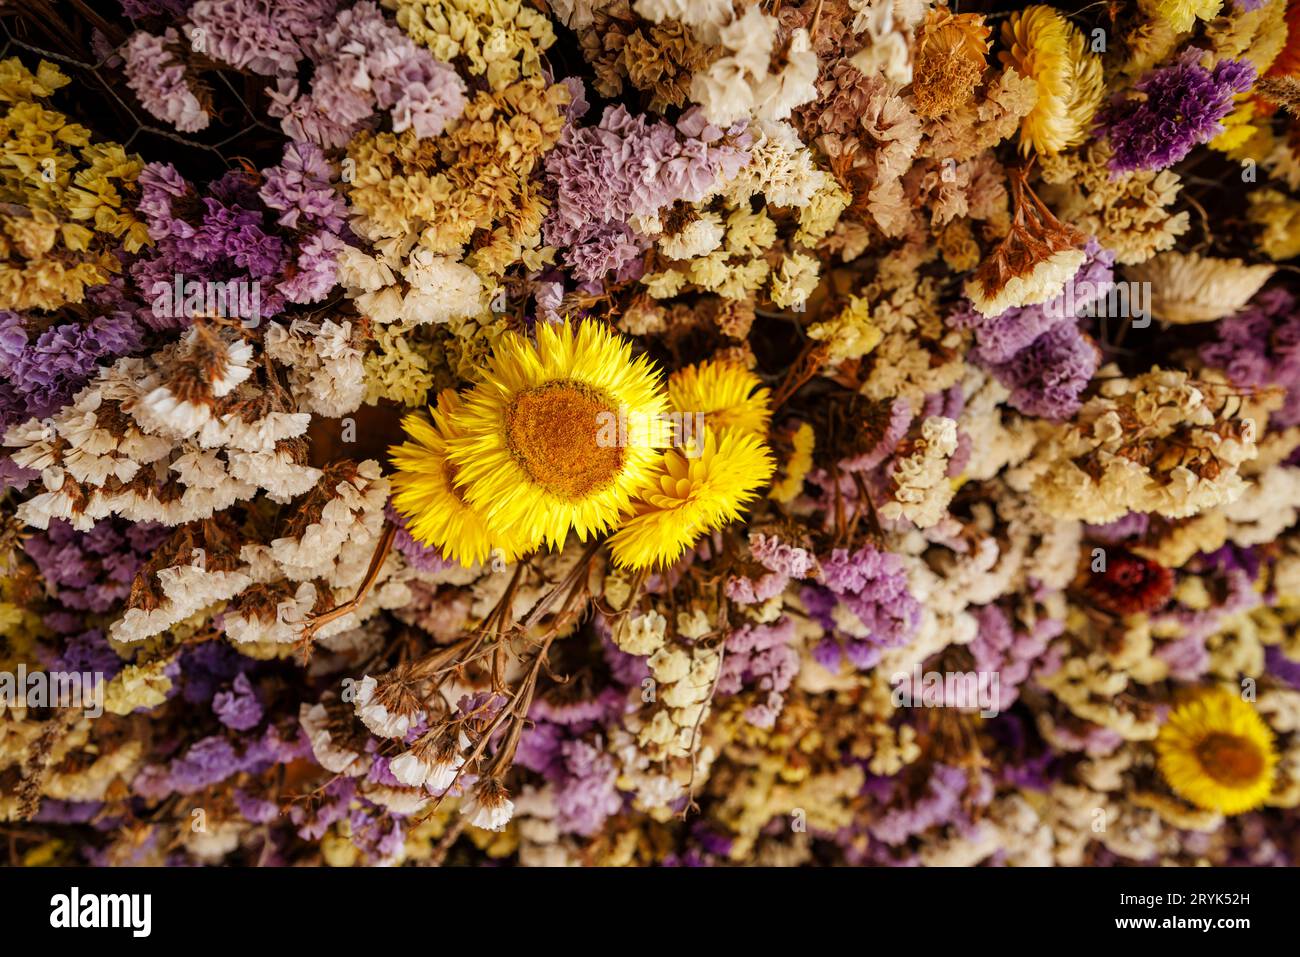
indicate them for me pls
(224, 236)
(40, 376)
(998, 647)
(1260, 347)
(363, 64)
(948, 794)
(872, 584)
(562, 745)
(157, 77)
(761, 657)
(1181, 107)
(92, 571)
(266, 38)
(628, 166)
(782, 563)
(300, 190)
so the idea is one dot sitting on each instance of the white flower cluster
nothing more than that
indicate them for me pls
(921, 487)
(1155, 443)
(171, 438)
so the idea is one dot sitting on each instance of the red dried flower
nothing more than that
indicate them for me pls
(1130, 584)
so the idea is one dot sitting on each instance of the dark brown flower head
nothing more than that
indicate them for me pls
(1129, 585)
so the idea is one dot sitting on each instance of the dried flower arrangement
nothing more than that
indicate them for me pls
(650, 432)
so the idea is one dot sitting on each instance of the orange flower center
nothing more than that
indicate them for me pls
(1230, 759)
(558, 433)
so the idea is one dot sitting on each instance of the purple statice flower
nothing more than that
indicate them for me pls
(266, 38)
(1048, 378)
(585, 793)
(1132, 525)
(316, 268)
(946, 795)
(873, 584)
(1187, 656)
(1181, 107)
(998, 647)
(627, 166)
(156, 75)
(778, 556)
(40, 376)
(87, 653)
(364, 63)
(92, 571)
(745, 590)
(584, 712)
(760, 657)
(301, 190)
(1282, 667)
(207, 668)
(1038, 351)
(53, 811)
(1260, 347)
(314, 819)
(560, 746)
(255, 810)
(949, 403)
(225, 236)
(206, 762)
(238, 708)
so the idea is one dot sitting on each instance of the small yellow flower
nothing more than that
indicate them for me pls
(797, 467)
(1216, 752)
(694, 491)
(725, 393)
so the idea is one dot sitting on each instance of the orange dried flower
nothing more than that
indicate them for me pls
(950, 60)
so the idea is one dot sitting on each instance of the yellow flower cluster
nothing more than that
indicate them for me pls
(66, 200)
(502, 40)
(567, 435)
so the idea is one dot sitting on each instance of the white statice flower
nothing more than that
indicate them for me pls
(326, 367)
(187, 589)
(163, 411)
(442, 289)
(217, 839)
(328, 751)
(260, 435)
(886, 28)
(1267, 508)
(432, 762)
(697, 238)
(352, 508)
(723, 91)
(280, 623)
(777, 94)
(382, 721)
(403, 801)
(275, 471)
(489, 808)
(920, 482)
(707, 17)
(642, 635)
(360, 272)
(1042, 283)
